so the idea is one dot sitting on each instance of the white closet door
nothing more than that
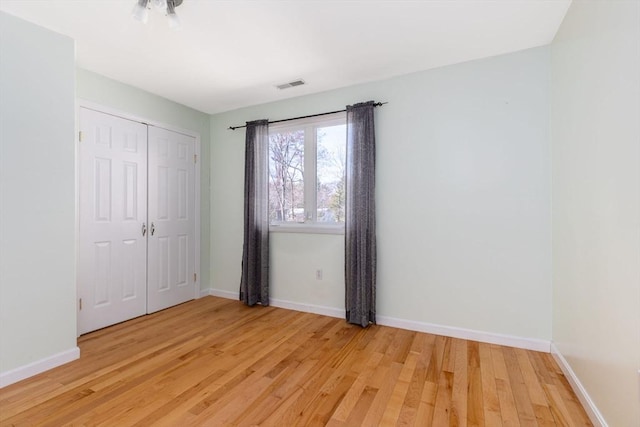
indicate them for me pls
(113, 212)
(171, 260)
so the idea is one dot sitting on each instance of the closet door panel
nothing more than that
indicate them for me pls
(171, 241)
(112, 213)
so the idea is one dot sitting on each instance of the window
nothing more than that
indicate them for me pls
(307, 173)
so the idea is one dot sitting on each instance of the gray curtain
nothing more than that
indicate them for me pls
(254, 284)
(360, 222)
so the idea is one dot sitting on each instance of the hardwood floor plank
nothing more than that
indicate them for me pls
(390, 374)
(475, 401)
(392, 412)
(490, 399)
(354, 394)
(359, 412)
(427, 404)
(295, 407)
(508, 410)
(423, 346)
(459, 390)
(216, 362)
(520, 393)
(536, 393)
(442, 410)
(562, 395)
(560, 412)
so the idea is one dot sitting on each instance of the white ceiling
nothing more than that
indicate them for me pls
(231, 54)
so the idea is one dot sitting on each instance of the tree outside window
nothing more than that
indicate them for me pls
(307, 172)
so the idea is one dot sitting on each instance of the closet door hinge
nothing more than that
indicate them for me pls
(80, 304)
(80, 136)
(195, 277)
(195, 158)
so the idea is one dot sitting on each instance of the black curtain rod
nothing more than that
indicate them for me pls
(377, 104)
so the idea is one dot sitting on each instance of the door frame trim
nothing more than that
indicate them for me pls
(83, 103)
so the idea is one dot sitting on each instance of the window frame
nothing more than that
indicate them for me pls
(310, 126)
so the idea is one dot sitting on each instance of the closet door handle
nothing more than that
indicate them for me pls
(153, 229)
(144, 229)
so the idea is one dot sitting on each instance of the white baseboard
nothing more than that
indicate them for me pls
(223, 294)
(205, 292)
(290, 305)
(39, 366)
(308, 308)
(467, 334)
(448, 331)
(589, 406)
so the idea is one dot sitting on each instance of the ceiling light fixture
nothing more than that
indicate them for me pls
(141, 10)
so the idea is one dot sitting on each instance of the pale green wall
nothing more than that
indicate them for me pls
(596, 202)
(110, 93)
(463, 196)
(37, 194)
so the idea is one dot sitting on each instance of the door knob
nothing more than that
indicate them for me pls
(153, 229)
(144, 229)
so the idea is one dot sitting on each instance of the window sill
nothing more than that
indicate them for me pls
(306, 228)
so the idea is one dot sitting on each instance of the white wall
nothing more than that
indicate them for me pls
(463, 196)
(119, 96)
(37, 195)
(596, 202)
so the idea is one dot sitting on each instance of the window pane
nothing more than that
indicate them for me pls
(331, 173)
(286, 176)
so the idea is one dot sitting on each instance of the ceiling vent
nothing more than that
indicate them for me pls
(294, 83)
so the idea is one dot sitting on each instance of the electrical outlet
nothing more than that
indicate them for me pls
(319, 274)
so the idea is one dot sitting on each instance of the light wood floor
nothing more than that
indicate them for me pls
(215, 362)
